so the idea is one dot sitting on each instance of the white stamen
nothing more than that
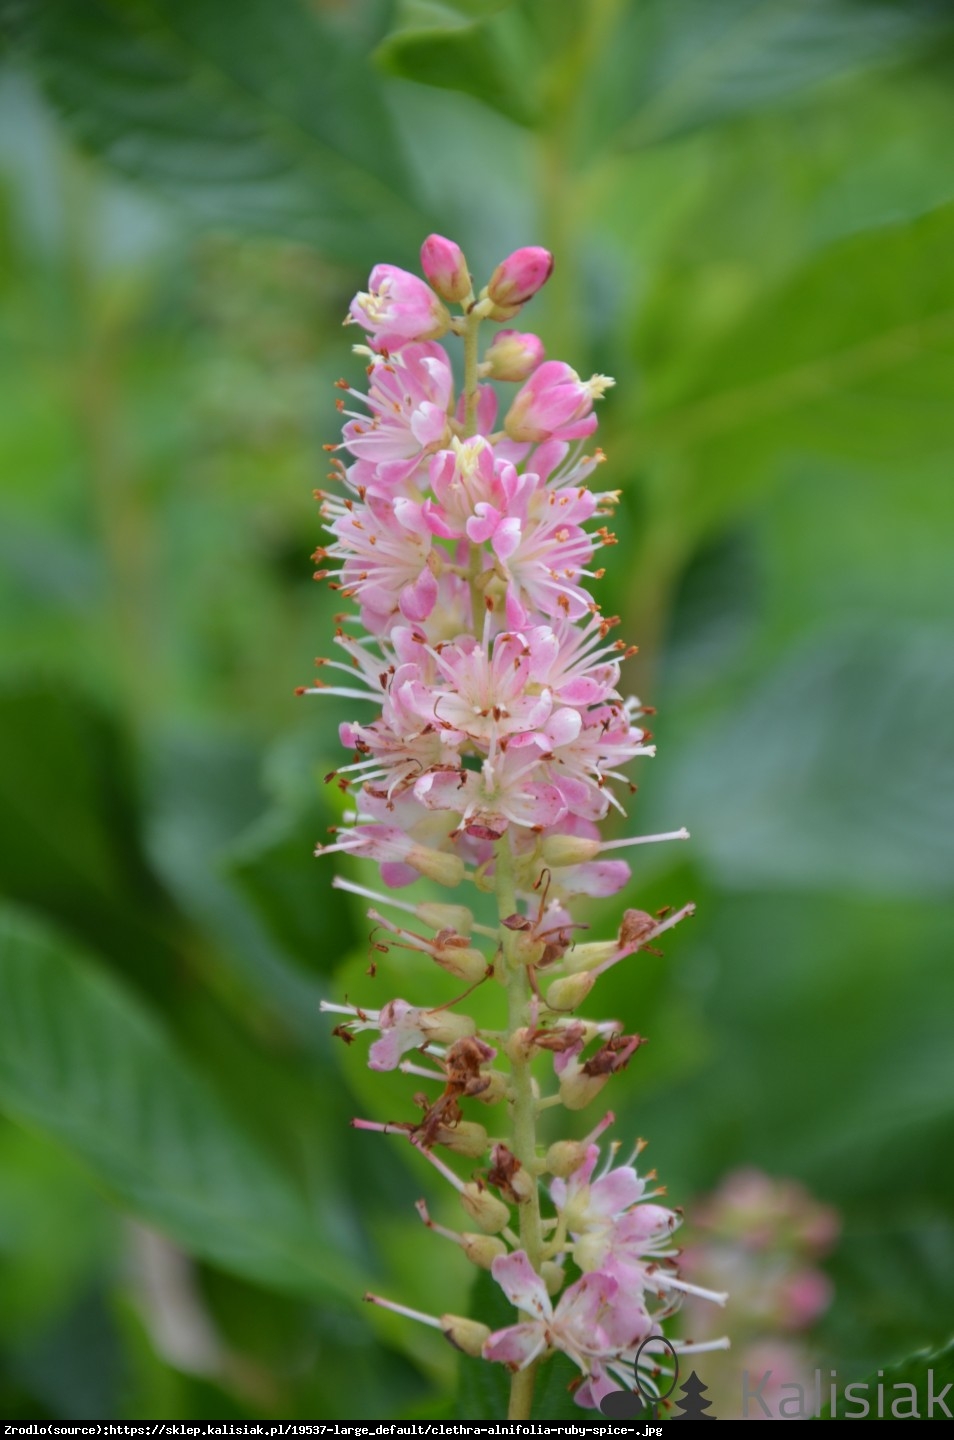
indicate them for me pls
(682, 834)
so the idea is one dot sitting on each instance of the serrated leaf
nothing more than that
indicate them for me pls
(256, 117)
(907, 1386)
(88, 1066)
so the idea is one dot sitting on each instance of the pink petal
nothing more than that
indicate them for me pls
(517, 1346)
(418, 599)
(521, 1284)
(616, 1192)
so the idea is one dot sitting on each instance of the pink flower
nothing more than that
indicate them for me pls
(403, 1027)
(555, 403)
(398, 306)
(593, 1320)
(518, 278)
(409, 398)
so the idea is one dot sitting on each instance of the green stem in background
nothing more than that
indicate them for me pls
(523, 1102)
(97, 366)
(562, 206)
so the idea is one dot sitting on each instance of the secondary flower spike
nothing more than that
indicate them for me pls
(490, 743)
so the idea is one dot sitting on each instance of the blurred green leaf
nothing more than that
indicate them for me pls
(836, 770)
(853, 357)
(88, 1066)
(480, 49)
(202, 791)
(258, 117)
(275, 866)
(683, 64)
(894, 1284)
(68, 803)
(55, 1232)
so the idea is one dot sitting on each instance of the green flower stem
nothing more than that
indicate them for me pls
(524, 1105)
(471, 356)
(471, 396)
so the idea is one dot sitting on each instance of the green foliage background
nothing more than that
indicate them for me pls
(752, 207)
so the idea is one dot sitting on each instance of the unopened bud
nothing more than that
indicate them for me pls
(437, 865)
(489, 1213)
(482, 1250)
(565, 1156)
(526, 949)
(521, 1046)
(513, 356)
(578, 1089)
(467, 1335)
(463, 961)
(588, 955)
(467, 1137)
(444, 1026)
(569, 849)
(517, 279)
(553, 1276)
(497, 1089)
(445, 917)
(445, 267)
(569, 992)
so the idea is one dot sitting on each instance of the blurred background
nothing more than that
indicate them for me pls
(751, 204)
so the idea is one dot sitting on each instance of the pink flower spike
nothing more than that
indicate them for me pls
(444, 265)
(513, 356)
(398, 305)
(518, 278)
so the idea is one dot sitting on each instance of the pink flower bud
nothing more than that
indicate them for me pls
(444, 265)
(555, 403)
(513, 356)
(518, 278)
(399, 306)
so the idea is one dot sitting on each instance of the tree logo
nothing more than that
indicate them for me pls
(691, 1401)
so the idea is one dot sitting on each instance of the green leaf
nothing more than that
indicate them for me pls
(87, 1065)
(257, 117)
(68, 804)
(275, 866)
(851, 357)
(480, 49)
(202, 790)
(914, 1399)
(792, 800)
(678, 65)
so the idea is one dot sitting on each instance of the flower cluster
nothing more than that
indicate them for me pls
(492, 749)
(768, 1236)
